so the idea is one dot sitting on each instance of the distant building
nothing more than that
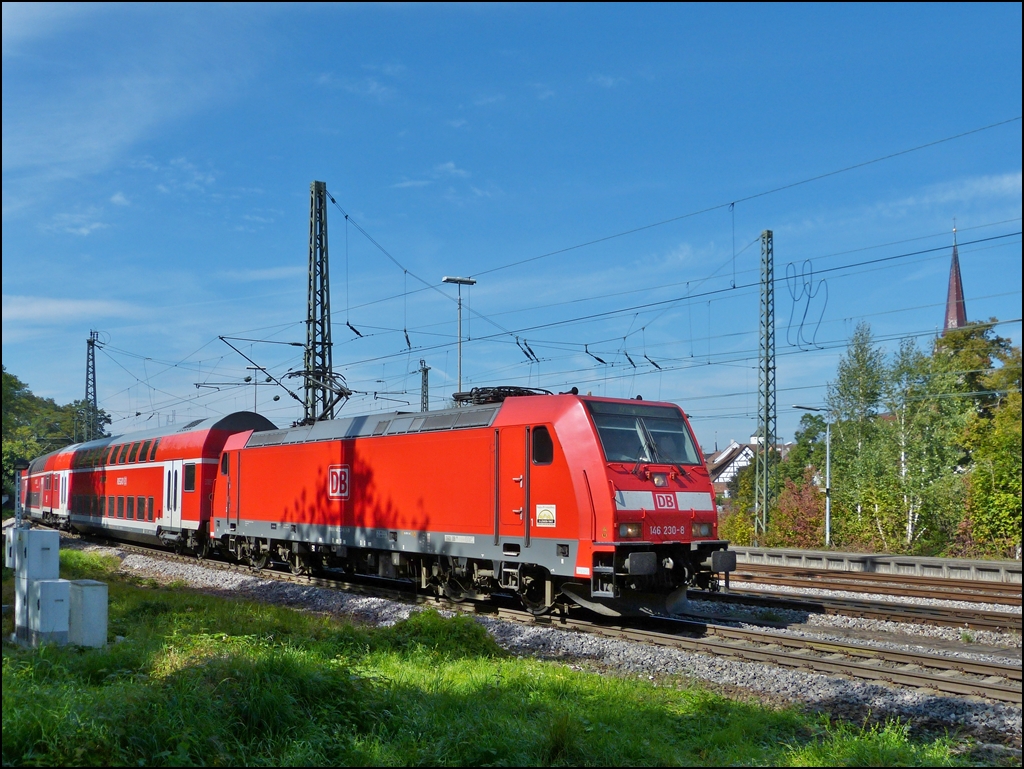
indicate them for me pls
(724, 465)
(956, 312)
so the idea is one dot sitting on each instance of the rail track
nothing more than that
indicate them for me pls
(922, 614)
(974, 591)
(948, 675)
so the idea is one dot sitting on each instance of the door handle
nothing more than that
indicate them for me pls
(518, 511)
(518, 479)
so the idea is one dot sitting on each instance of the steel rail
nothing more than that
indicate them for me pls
(884, 584)
(890, 611)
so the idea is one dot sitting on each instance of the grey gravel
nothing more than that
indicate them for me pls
(839, 696)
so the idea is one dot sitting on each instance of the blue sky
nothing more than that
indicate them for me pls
(157, 162)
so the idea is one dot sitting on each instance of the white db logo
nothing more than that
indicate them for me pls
(337, 482)
(663, 501)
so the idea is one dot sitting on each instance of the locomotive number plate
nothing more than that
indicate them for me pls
(666, 531)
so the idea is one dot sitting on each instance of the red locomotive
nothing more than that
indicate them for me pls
(605, 502)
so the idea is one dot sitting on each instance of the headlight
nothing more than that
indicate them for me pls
(660, 479)
(702, 529)
(630, 530)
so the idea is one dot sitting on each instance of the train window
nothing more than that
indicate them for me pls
(120, 507)
(110, 507)
(167, 486)
(224, 464)
(637, 432)
(141, 507)
(149, 513)
(124, 453)
(152, 452)
(134, 452)
(190, 477)
(144, 453)
(130, 508)
(46, 483)
(543, 447)
(111, 455)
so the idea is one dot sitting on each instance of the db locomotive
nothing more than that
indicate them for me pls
(600, 502)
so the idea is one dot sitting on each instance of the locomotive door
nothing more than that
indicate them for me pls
(512, 486)
(172, 493)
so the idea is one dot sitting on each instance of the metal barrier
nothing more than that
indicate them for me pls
(950, 568)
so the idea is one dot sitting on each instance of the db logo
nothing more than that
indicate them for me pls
(664, 501)
(337, 482)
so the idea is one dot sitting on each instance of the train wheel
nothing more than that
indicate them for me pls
(537, 595)
(298, 564)
(203, 550)
(259, 560)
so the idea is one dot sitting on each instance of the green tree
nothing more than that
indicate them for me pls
(33, 426)
(993, 436)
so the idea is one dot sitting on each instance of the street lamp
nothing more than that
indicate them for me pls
(460, 282)
(828, 472)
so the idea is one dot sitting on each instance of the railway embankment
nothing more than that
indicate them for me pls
(225, 666)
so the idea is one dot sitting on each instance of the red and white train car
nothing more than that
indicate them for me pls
(154, 486)
(606, 502)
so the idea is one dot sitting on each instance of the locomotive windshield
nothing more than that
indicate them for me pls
(635, 432)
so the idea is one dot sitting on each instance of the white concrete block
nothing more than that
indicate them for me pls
(87, 616)
(49, 602)
(38, 555)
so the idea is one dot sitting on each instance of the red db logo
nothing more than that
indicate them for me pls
(664, 501)
(337, 482)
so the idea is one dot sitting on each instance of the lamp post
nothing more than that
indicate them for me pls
(828, 472)
(460, 282)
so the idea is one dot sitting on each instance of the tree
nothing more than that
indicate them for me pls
(798, 519)
(33, 426)
(993, 436)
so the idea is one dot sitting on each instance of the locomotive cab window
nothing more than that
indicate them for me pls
(543, 447)
(632, 432)
(224, 464)
(190, 477)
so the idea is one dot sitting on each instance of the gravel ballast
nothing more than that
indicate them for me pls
(838, 696)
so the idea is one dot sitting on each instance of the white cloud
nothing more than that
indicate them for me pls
(118, 199)
(411, 183)
(485, 100)
(607, 81)
(48, 310)
(450, 169)
(84, 223)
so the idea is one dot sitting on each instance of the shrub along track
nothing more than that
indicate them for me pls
(948, 675)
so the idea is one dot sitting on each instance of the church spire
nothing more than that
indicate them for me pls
(956, 314)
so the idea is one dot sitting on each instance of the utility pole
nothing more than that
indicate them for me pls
(460, 282)
(764, 478)
(91, 422)
(324, 389)
(424, 386)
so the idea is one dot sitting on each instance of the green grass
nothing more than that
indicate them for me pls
(199, 679)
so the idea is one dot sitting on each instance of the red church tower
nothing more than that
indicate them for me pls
(956, 314)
